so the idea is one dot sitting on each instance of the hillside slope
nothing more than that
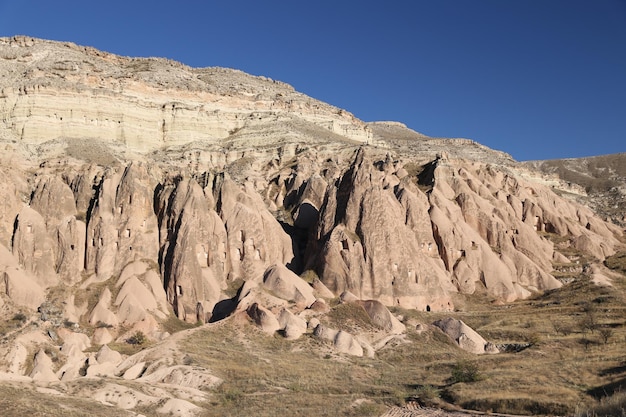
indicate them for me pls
(188, 241)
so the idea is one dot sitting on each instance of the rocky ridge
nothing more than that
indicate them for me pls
(137, 190)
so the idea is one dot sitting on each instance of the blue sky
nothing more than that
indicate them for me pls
(539, 79)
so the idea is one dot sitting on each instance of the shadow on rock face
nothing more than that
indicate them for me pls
(223, 309)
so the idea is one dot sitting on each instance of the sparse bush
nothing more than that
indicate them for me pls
(230, 394)
(138, 338)
(427, 394)
(563, 329)
(605, 334)
(465, 371)
(589, 321)
(21, 317)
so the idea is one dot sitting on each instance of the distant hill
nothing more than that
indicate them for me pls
(603, 177)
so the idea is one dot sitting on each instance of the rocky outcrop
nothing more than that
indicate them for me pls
(263, 318)
(342, 341)
(122, 225)
(464, 336)
(193, 241)
(367, 248)
(382, 317)
(287, 285)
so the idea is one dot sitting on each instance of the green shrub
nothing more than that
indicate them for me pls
(465, 371)
(138, 338)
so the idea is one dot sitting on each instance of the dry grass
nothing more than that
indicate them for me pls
(264, 374)
(617, 262)
(569, 367)
(610, 406)
(18, 402)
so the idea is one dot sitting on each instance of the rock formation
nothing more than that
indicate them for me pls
(465, 336)
(141, 191)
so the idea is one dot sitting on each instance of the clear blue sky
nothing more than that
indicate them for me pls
(539, 79)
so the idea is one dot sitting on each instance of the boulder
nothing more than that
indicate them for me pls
(464, 336)
(381, 317)
(263, 318)
(342, 341)
(292, 326)
(108, 355)
(285, 284)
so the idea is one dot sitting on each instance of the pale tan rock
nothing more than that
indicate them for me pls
(107, 355)
(320, 306)
(73, 343)
(16, 358)
(71, 312)
(469, 226)
(42, 368)
(182, 376)
(101, 313)
(134, 292)
(285, 284)
(353, 258)
(182, 105)
(255, 239)
(133, 269)
(123, 227)
(381, 317)
(368, 350)
(34, 248)
(313, 323)
(70, 249)
(196, 261)
(106, 369)
(22, 288)
(179, 408)
(179, 228)
(134, 371)
(600, 276)
(11, 377)
(123, 397)
(14, 191)
(464, 336)
(321, 289)
(342, 341)
(253, 292)
(73, 369)
(54, 200)
(263, 318)
(292, 326)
